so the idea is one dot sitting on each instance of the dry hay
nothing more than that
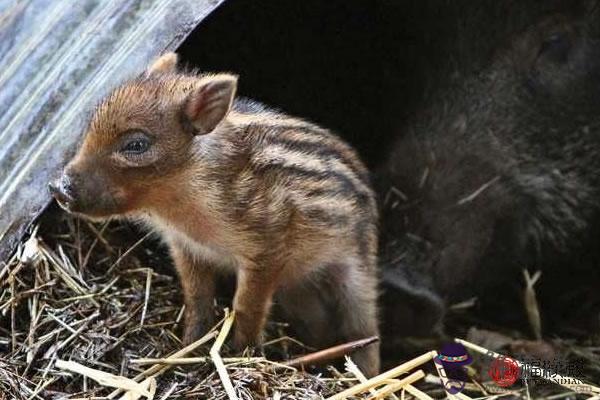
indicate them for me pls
(82, 317)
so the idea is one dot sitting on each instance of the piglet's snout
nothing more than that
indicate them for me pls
(62, 190)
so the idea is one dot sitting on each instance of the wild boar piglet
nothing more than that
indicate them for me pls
(233, 186)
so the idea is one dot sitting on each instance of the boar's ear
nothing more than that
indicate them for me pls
(210, 102)
(163, 64)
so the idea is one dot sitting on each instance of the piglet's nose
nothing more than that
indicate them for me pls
(62, 190)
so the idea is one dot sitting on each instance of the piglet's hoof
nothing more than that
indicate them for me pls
(243, 339)
(192, 333)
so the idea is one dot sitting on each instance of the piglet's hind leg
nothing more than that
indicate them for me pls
(356, 297)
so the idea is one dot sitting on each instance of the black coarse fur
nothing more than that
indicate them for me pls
(501, 170)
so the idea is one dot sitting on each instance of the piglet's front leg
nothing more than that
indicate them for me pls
(198, 285)
(255, 289)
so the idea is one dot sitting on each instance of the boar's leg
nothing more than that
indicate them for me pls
(198, 285)
(253, 297)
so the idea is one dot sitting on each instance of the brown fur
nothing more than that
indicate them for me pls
(282, 203)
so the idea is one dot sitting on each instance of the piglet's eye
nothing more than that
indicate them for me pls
(136, 146)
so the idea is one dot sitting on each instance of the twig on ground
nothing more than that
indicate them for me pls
(331, 353)
(392, 373)
(394, 387)
(103, 378)
(218, 361)
(531, 304)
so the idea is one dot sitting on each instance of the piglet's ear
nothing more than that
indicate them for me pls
(210, 101)
(163, 64)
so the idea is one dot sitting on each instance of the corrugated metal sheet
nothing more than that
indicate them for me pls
(57, 59)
